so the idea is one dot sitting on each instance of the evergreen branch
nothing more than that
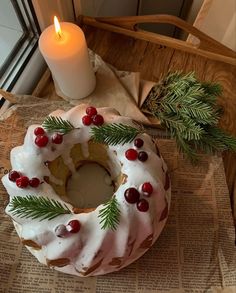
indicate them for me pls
(35, 207)
(171, 121)
(115, 133)
(53, 123)
(209, 145)
(194, 131)
(201, 114)
(192, 93)
(188, 109)
(184, 125)
(110, 214)
(186, 148)
(219, 135)
(195, 109)
(215, 140)
(213, 89)
(211, 92)
(189, 103)
(178, 79)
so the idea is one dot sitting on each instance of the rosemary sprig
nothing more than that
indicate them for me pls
(35, 207)
(114, 133)
(110, 214)
(52, 123)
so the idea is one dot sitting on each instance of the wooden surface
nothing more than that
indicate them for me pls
(206, 47)
(153, 60)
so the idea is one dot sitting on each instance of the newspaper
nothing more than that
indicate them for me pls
(195, 252)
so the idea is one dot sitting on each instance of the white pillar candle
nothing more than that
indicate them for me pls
(65, 51)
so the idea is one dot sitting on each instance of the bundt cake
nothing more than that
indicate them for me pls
(87, 240)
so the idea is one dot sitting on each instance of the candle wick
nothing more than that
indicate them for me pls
(59, 35)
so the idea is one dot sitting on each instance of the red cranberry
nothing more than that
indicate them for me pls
(57, 138)
(13, 175)
(98, 120)
(142, 156)
(147, 188)
(142, 205)
(87, 120)
(138, 142)
(39, 131)
(73, 226)
(61, 231)
(131, 154)
(132, 195)
(34, 182)
(91, 111)
(22, 182)
(41, 141)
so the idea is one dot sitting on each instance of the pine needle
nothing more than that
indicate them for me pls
(186, 148)
(172, 121)
(213, 89)
(110, 214)
(115, 133)
(52, 123)
(189, 110)
(35, 207)
(211, 92)
(219, 135)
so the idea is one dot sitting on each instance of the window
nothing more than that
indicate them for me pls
(21, 64)
(19, 32)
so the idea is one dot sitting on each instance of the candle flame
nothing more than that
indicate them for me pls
(57, 26)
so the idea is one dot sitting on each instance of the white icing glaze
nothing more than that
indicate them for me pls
(91, 244)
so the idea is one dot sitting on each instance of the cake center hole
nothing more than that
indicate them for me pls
(90, 186)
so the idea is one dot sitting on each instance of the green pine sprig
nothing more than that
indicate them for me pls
(110, 214)
(189, 110)
(215, 140)
(186, 148)
(52, 123)
(35, 207)
(114, 133)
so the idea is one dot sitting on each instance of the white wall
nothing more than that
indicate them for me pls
(217, 18)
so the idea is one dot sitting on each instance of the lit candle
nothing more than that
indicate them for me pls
(64, 48)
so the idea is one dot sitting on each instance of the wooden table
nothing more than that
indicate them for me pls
(119, 43)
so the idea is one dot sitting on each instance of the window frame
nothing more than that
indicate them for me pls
(20, 42)
(35, 64)
(24, 48)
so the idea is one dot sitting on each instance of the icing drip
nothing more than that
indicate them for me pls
(68, 161)
(85, 149)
